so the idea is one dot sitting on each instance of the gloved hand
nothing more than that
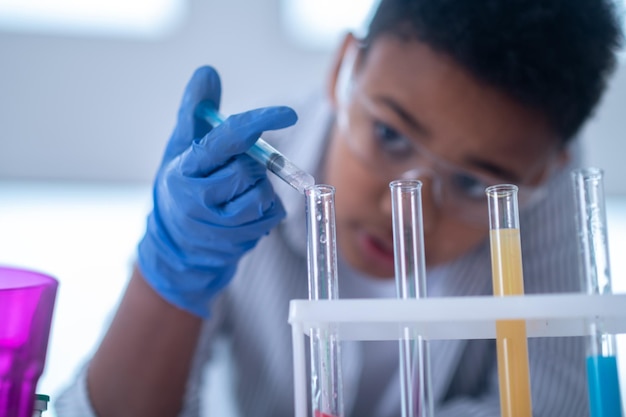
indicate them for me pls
(211, 201)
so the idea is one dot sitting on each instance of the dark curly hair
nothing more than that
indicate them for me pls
(554, 56)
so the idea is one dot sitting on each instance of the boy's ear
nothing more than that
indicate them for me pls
(342, 67)
(563, 157)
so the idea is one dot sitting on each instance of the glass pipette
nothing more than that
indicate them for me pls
(602, 374)
(506, 264)
(264, 153)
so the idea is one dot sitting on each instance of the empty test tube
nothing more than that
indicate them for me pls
(326, 381)
(264, 153)
(410, 271)
(506, 264)
(602, 374)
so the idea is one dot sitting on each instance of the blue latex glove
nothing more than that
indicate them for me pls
(212, 202)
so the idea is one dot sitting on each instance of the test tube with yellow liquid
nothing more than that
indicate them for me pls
(507, 273)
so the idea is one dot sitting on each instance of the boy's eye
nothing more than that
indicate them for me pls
(391, 142)
(468, 185)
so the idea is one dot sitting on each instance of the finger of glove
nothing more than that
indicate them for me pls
(239, 174)
(223, 242)
(204, 85)
(237, 194)
(233, 137)
(229, 181)
(255, 210)
(219, 236)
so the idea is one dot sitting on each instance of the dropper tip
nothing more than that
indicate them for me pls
(303, 182)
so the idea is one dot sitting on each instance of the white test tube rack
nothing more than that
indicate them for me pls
(447, 318)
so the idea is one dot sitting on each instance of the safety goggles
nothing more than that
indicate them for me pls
(458, 192)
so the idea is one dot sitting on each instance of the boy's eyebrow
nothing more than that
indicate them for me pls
(404, 115)
(493, 169)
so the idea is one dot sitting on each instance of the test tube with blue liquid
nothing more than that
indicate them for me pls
(326, 379)
(601, 362)
(264, 153)
(410, 275)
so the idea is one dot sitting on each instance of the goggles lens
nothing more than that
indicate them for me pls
(385, 151)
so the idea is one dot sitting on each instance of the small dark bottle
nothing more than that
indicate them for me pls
(41, 404)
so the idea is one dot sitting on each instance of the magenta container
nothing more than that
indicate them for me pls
(26, 307)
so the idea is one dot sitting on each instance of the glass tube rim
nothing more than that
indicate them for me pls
(588, 173)
(405, 184)
(501, 190)
(320, 190)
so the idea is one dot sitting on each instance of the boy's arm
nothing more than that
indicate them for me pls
(211, 204)
(143, 362)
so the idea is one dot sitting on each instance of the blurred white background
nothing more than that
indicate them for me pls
(86, 108)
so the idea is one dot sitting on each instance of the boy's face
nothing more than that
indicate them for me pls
(405, 108)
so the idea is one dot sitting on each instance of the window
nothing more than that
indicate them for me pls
(318, 24)
(116, 18)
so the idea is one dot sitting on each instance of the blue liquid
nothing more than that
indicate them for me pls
(603, 384)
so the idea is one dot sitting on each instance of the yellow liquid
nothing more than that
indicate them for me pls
(513, 370)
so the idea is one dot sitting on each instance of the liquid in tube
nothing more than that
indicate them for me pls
(512, 346)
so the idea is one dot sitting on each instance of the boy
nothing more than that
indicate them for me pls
(460, 94)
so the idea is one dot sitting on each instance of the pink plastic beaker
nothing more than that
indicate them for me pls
(26, 306)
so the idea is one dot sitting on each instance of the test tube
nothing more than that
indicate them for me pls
(507, 274)
(410, 271)
(326, 381)
(601, 363)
